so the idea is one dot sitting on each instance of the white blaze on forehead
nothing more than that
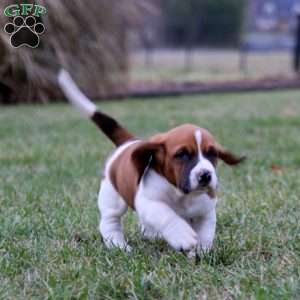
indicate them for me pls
(198, 137)
(203, 164)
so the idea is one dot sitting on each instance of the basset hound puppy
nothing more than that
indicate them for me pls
(169, 179)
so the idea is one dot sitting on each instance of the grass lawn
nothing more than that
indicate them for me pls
(50, 165)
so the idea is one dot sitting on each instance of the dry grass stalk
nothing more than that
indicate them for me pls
(86, 37)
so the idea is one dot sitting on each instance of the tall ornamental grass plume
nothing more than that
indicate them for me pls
(88, 38)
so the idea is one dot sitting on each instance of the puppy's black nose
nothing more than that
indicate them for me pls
(205, 178)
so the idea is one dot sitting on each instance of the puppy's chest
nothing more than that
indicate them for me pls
(194, 205)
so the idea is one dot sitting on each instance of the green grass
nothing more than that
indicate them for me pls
(50, 165)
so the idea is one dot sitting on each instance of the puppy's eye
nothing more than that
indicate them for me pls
(211, 155)
(183, 155)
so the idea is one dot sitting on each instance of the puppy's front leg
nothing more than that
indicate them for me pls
(177, 232)
(205, 228)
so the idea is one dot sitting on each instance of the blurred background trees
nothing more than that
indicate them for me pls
(206, 22)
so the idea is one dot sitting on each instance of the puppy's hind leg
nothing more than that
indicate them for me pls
(112, 208)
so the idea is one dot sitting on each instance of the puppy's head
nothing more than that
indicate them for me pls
(186, 156)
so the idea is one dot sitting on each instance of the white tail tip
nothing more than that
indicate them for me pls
(74, 94)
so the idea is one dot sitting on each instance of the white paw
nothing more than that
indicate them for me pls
(191, 253)
(180, 236)
(204, 246)
(115, 242)
(149, 233)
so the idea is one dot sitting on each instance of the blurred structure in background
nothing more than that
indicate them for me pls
(270, 24)
(191, 24)
(121, 48)
(219, 41)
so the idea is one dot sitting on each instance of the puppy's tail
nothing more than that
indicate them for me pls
(110, 127)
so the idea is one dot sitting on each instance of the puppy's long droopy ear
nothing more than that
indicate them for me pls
(228, 157)
(144, 154)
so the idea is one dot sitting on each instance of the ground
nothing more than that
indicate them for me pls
(208, 65)
(50, 165)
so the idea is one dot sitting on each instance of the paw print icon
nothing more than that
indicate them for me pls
(24, 32)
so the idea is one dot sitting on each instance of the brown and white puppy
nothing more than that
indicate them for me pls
(169, 179)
